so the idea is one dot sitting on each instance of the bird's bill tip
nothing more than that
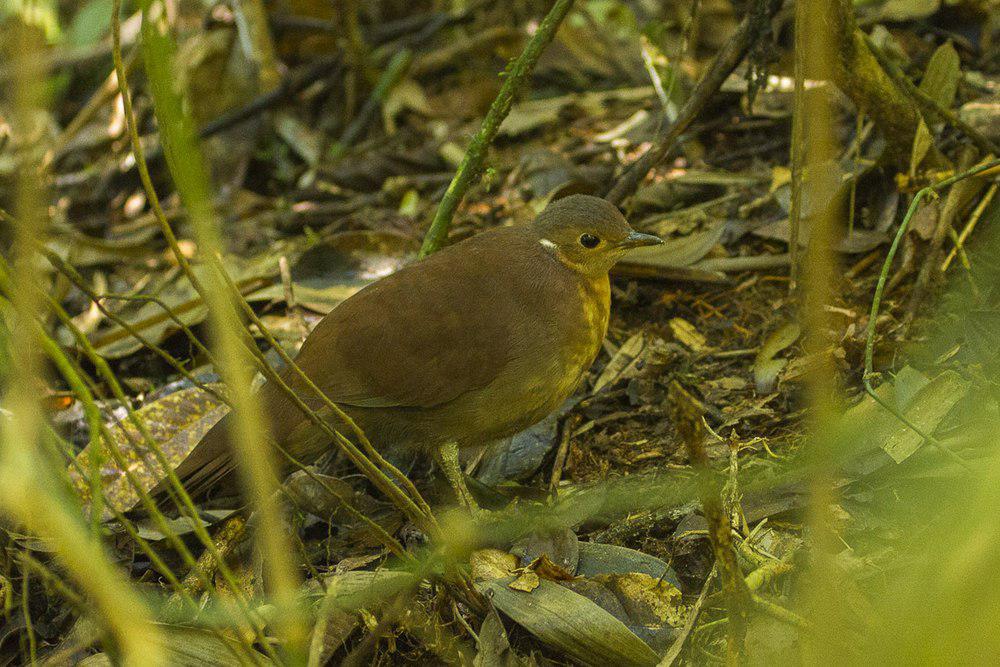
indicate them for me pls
(638, 240)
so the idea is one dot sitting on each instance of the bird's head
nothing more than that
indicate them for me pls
(588, 234)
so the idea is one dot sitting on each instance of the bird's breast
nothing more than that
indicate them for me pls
(578, 330)
(552, 342)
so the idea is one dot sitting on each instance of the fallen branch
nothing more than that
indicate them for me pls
(928, 104)
(751, 29)
(859, 75)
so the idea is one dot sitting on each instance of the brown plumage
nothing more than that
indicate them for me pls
(478, 341)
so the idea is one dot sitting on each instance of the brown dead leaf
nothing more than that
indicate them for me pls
(546, 569)
(526, 581)
(489, 564)
(177, 422)
(687, 335)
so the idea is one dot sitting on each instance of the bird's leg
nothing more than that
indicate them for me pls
(447, 457)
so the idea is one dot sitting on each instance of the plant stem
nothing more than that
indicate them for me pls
(471, 166)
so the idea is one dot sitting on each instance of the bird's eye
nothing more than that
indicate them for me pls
(589, 241)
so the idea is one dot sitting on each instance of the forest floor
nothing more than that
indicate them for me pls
(329, 181)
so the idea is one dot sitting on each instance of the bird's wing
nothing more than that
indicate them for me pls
(424, 335)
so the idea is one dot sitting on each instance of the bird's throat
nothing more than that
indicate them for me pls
(595, 294)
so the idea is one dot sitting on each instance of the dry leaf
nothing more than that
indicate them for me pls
(526, 581)
(688, 335)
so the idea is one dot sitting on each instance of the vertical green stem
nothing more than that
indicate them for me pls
(515, 76)
(257, 468)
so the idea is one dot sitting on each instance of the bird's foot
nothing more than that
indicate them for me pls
(447, 457)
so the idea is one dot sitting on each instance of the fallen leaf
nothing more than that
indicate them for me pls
(941, 77)
(488, 564)
(688, 335)
(615, 369)
(546, 569)
(571, 623)
(647, 600)
(177, 422)
(765, 367)
(526, 581)
(922, 143)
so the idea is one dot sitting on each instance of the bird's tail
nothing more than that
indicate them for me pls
(211, 465)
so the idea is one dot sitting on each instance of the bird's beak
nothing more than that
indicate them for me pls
(638, 239)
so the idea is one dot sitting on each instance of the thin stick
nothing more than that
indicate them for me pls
(798, 146)
(392, 75)
(515, 76)
(970, 226)
(569, 426)
(670, 657)
(687, 417)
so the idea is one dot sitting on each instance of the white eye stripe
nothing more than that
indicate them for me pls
(547, 244)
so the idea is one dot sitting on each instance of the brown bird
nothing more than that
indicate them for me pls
(475, 343)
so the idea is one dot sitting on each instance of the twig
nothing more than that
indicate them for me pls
(227, 537)
(457, 51)
(689, 422)
(971, 225)
(87, 111)
(289, 86)
(798, 145)
(954, 204)
(732, 53)
(392, 75)
(74, 277)
(781, 613)
(137, 150)
(29, 629)
(251, 22)
(751, 263)
(675, 649)
(569, 426)
(515, 76)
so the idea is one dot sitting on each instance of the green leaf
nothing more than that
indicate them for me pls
(571, 623)
(922, 142)
(941, 77)
(90, 24)
(194, 647)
